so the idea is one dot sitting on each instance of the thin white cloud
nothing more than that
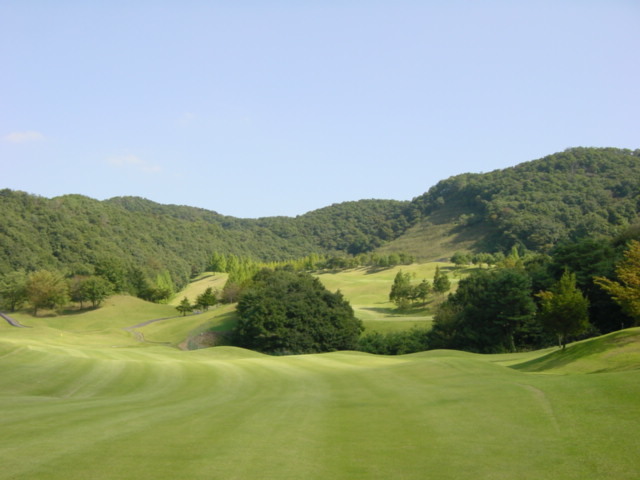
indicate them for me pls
(23, 137)
(133, 162)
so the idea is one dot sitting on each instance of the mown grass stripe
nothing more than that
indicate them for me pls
(75, 407)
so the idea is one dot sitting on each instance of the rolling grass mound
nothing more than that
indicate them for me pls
(614, 352)
(78, 405)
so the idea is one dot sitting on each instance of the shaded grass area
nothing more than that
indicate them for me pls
(616, 351)
(194, 331)
(440, 234)
(77, 411)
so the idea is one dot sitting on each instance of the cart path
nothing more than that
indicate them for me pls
(13, 321)
(140, 336)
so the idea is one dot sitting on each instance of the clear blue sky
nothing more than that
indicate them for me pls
(264, 108)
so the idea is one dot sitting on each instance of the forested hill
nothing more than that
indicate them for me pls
(576, 193)
(581, 191)
(74, 233)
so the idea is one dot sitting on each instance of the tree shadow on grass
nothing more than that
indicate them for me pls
(70, 311)
(51, 313)
(220, 334)
(373, 269)
(574, 353)
(396, 312)
(203, 278)
(225, 322)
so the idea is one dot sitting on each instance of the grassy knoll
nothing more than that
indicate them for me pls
(119, 315)
(368, 292)
(117, 312)
(199, 284)
(73, 409)
(614, 352)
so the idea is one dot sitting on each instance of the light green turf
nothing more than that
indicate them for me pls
(175, 330)
(198, 285)
(117, 312)
(120, 313)
(614, 352)
(80, 406)
(368, 293)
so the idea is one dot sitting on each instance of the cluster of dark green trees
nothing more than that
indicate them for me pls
(206, 299)
(461, 259)
(288, 312)
(405, 294)
(44, 289)
(58, 288)
(527, 301)
(534, 300)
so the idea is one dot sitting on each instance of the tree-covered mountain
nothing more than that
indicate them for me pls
(76, 234)
(568, 195)
(565, 196)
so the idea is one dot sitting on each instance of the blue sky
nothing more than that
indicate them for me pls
(264, 108)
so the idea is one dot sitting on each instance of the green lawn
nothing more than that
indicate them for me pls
(99, 404)
(198, 285)
(368, 292)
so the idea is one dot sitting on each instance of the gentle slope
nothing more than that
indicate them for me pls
(72, 411)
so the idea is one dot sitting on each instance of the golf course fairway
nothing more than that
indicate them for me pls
(77, 405)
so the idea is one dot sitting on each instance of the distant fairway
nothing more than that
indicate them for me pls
(198, 285)
(80, 404)
(368, 292)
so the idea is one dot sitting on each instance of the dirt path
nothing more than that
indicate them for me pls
(140, 336)
(12, 321)
(147, 322)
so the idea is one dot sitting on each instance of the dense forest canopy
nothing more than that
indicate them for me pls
(76, 233)
(566, 196)
(569, 195)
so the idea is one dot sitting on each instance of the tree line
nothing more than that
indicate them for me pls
(538, 205)
(44, 289)
(74, 234)
(242, 269)
(582, 289)
(526, 301)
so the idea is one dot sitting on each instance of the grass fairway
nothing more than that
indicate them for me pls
(368, 293)
(198, 285)
(82, 405)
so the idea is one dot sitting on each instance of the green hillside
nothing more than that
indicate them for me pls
(80, 405)
(77, 234)
(568, 195)
(441, 233)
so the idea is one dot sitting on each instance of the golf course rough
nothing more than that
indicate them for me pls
(116, 409)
